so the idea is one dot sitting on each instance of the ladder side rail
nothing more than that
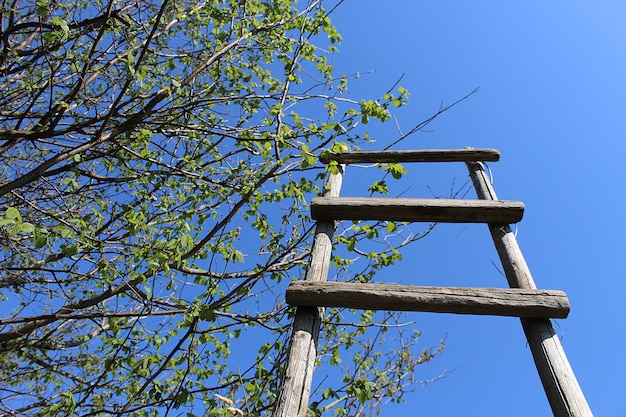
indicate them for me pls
(295, 389)
(562, 389)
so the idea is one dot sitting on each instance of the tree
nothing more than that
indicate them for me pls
(157, 160)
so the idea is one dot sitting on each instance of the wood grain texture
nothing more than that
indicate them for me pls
(422, 155)
(557, 376)
(514, 302)
(295, 390)
(559, 381)
(416, 210)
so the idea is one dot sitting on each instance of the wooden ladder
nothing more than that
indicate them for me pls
(534, 307)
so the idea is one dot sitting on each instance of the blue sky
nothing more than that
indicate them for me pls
(552, 79)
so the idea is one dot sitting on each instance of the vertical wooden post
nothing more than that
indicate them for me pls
(558, 379)
(295, 390)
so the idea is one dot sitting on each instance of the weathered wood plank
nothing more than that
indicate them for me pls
(423, 155)
(295, 389)
(515, 302)
(559, 381)
(416, 210)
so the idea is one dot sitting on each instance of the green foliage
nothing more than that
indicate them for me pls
(13, 224)
(157, 161)
(396, 170)
(375, 375)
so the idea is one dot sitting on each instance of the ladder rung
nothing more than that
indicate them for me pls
(417, 210)
(515, 302)
(424, 155)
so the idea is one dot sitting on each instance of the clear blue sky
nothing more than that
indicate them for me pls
(552, 79)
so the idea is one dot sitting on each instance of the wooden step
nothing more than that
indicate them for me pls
(517, 302)
(417, 210)
(423, 155)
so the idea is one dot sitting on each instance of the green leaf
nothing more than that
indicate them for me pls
(12, 213)
(27, 227)
(207, 314)
(57, 21)
(333, 167)
(396, 170)
(6, 222)
(70, 250)
(340, 411)
(340, 147)
(42, 8)
(40, 240)
(379, 187)
(237, 256)
(252, 387)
